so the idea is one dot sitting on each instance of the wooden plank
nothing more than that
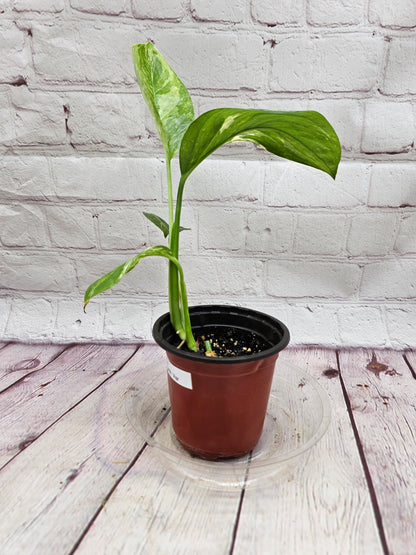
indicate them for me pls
(382, 393)
(322, 505)
(52, 490)
(411, 359)
(18, 360)
(154, 510)
(34, 403)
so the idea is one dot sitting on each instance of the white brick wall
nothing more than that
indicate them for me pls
(80, 161)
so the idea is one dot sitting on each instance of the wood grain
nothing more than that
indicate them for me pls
(78, 478)
(52, 490)
(382, 393)
(323, 504)
(411, 359)
(33, 404)
(18, 359)
(153, 510)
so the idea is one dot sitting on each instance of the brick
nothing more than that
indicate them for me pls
(401, 324)
(303, 278)
(210, 276)
(393, 185)
(289, 184)
(71, 227)
(313, 324)
(25, 177)
(327, 13)
(99, 7)
(15, 59)
(5, 5)
(406, 238)
(390, 279)
(8, 135)
(205, 103)
(149, 276)
(269, 232)
(228, 61)
(5, 308)
(330, 64)
(31, 118)
(121, 228)
(372, 234)
(107, 178)
(166, 9)
(22, 226)
(113, 120)
(38, 117)
(54, 6)
(31, 320)
(399, 76)
(226, 180)
(92, 54)
(273, 13)
(388, 127)
(221, 229)
(36, 272)
(399, 14)
(72, 324)
(127, 321)
(320, 234)
(217, 10)
(362, 326)
(345, 116)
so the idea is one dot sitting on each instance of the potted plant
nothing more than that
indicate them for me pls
(220, 358)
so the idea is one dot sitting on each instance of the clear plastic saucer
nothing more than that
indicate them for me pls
(297, 417)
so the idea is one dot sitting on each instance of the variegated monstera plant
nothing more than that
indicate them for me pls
(305, 137)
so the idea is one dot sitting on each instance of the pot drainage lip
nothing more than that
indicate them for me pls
(297, 417)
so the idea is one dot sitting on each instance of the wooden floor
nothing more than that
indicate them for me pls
(77, 478)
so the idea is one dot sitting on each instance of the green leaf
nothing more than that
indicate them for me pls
(159, 222)
(166, 96)
(113, 277)
(304, 137)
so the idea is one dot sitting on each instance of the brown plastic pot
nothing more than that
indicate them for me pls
(219, 404)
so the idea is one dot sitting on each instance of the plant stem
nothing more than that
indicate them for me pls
(170, 192)
(190, 340)
(174, 302)
(177, 291)
(174, 244)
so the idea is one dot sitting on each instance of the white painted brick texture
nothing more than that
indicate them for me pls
(80, 161)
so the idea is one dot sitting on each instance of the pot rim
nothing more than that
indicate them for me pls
(163, 324)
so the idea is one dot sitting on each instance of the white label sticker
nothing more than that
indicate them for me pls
(180, 376)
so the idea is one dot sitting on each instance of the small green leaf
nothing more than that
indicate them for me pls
(159, 222)
(162, 224)
(113, 277)
(304, 137)
(166, 96)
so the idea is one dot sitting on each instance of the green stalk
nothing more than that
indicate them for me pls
(175, 287)
(174, 238)
(190, 340)
(170, 193)
(174, 301)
